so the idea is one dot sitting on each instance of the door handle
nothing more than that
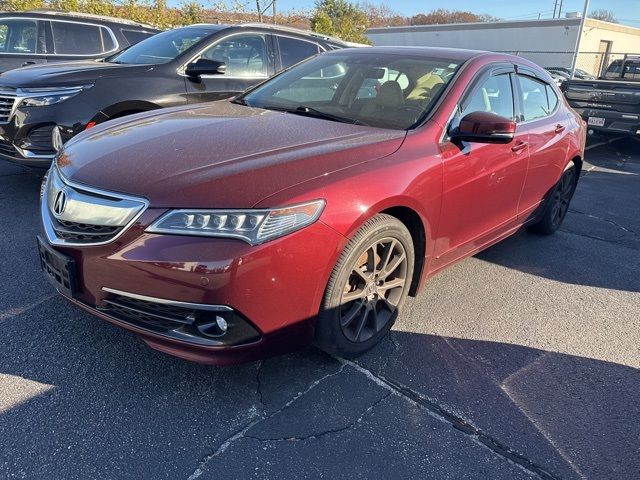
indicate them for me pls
(519, 146)
(559, 128)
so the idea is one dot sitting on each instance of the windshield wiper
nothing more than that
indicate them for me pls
(312, 112)
(305, 110)
(240, 101)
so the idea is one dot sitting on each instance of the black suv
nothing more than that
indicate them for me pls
(193, 64)
(42, 36)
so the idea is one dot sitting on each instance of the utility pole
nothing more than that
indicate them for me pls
(555, 5)
(560, 10)
(579, 37)
(259, 11)
(273, 5)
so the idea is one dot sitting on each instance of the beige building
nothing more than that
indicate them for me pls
(550, 42)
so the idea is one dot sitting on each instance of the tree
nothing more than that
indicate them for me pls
(604, 15)
(382, 16)
(341, 19)
(191, 12)
(18, 5)
(443, 16)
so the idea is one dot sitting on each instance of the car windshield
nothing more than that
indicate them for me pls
(163, 47)
(382, 90)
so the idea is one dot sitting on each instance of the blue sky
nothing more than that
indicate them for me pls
(627, 11)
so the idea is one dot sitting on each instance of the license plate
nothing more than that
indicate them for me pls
(596, 121)
(59, 269)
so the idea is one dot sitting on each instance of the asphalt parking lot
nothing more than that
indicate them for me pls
(521, 362)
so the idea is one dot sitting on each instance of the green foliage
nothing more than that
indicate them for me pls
(191, 12)
(17, 5)
(341, 19)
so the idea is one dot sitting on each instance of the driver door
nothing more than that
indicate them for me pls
(482, 182)
(248, 58)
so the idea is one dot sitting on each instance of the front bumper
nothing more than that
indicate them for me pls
(614, 122)
(276, 288)
(25, 136)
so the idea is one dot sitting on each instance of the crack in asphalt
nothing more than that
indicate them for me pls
(606, 220)
(259, 382)
(457, 422)
(324, 432)
(224, 446)
(601, 239)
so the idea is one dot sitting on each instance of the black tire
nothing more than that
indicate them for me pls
(557, 204)
(372, 278)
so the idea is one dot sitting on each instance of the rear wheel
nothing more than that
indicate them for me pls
(367, 288)
(557, 204)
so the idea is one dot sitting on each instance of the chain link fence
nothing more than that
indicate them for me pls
(587, 63)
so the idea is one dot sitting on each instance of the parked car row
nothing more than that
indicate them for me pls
(304, 210)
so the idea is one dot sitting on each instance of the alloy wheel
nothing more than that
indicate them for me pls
(373, 290)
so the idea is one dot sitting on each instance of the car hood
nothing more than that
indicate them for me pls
(67, 73)
(217, 155)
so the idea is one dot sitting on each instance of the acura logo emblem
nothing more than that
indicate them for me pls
(60, 203)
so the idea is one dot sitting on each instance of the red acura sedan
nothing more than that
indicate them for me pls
(307, 209)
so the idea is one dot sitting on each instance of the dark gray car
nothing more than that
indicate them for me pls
(198, 63)
(42, 36)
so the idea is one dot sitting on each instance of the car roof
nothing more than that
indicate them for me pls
(44, 13)
(459, 54)
(275, 28)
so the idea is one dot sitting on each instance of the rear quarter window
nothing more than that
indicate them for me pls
(81, 39)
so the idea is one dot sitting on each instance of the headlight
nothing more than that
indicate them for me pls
(252, 226)
(37, 97)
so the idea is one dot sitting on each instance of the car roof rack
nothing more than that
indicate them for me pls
(49, 11)
(293, 30)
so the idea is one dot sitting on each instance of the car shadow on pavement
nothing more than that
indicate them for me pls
(82, 396)
(598, 244)
(568, 415)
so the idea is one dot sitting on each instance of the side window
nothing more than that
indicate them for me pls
(552, 98)
(244, 55)
(80, 39)
(293, 51)
(534, 98)
(493, 95)
(136, 36)
(19, 36)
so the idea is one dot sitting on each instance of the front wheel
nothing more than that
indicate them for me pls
(367, 288)
(557, 204)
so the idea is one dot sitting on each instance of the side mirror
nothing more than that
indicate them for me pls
(204, 66)
(484, 127)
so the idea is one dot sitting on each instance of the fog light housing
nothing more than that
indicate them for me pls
(213, 328)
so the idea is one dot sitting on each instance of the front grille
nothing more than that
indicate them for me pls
(83, 232)
(75, 215)
(6, 107)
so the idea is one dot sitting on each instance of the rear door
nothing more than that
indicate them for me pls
(22, 42)
(249, 60)
(482, 182)
(546, 125)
